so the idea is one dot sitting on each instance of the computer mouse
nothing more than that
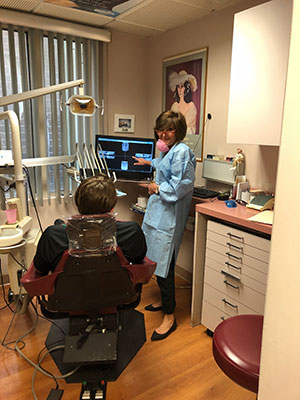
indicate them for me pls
(230, 203)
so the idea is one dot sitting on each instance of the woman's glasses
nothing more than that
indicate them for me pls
(167, 132)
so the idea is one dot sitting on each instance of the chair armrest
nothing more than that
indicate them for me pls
(141, 273)
(37, 284)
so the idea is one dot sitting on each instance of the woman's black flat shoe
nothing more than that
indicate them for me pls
(151, 308)
(157, 336)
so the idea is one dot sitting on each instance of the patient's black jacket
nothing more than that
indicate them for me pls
(54, 241)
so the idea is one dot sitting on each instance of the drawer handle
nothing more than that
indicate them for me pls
(229, 284)
(237, 278)
(231, 265)
(235, 257)
(230, 304)
(231, 235)
(232, 246)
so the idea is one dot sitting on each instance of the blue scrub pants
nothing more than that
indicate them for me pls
(167, 289)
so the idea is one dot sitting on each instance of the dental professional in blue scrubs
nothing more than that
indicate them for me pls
(167, 210)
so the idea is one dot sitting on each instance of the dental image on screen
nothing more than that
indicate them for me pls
(118, 152)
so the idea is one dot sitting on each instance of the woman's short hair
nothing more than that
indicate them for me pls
(169, 120)
(96, 195)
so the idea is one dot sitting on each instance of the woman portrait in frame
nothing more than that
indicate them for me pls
(184, 82)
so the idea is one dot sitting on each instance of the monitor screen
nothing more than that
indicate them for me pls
(118, 152)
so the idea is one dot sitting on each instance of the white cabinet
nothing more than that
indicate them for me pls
(235, 274)
(260, 50)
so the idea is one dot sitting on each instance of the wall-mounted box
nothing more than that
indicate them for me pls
(218, 171)
(260, 50)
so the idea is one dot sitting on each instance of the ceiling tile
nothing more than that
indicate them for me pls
(208, 5)
(161, 14)
(72, 14)
(19, 5)
(132, 29)
(148, 18)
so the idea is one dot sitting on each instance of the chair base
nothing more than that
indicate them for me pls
(130, 339)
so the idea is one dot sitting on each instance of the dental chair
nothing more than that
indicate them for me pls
(94, 289)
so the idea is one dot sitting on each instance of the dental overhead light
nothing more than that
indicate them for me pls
(82, 105)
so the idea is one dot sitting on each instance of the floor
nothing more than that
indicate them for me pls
(180, 367)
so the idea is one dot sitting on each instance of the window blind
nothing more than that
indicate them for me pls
(30, 59)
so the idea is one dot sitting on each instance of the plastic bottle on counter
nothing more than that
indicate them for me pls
(233, 191)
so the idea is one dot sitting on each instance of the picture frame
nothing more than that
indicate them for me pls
(184, 90)
(124, 123)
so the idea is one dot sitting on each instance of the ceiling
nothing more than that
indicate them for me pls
(143, 18)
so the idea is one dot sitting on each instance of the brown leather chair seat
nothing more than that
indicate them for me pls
(237, 349)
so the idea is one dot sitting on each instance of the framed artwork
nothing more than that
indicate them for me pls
(124, 123)
(184, 88)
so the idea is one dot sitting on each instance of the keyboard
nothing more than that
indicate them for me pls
(204, 193)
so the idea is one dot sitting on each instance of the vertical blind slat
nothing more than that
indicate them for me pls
(54, 119)
(63, 118)
(97, 77)
(3, 83)
(105, 74)
(25, 88)
(81, 137)
(13, 74)
(26, 136)
(71, 119)
(87, 89)
(35, 60)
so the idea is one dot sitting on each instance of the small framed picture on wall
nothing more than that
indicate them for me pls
(124, 123)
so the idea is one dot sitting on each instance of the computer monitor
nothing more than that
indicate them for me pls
(118, 152)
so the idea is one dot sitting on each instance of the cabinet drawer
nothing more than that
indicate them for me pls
(211, 317)
(236, 267)
(238, 259)
(236, 276)
(239, 236)
(238, 249)
(235, 289)
(224, 303)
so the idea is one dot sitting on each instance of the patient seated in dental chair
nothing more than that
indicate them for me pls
(93, 287)
(95, 195)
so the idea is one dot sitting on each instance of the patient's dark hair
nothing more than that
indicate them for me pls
(96, 195)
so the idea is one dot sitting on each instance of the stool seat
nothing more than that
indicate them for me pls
(237, 348)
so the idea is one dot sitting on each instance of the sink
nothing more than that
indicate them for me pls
(10, 236)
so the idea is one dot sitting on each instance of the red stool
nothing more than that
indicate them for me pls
(237, 348)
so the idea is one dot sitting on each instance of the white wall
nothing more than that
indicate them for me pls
(280, 362)
(127, 81)
(214, 31)
(135, 87)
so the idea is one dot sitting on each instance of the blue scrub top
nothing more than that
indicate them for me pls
(167, 212)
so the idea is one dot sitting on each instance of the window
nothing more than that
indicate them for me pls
(30, 59)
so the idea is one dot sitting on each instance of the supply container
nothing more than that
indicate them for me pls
(11, 215)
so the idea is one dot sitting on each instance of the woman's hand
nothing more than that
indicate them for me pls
(141, 161)
(153, 188)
